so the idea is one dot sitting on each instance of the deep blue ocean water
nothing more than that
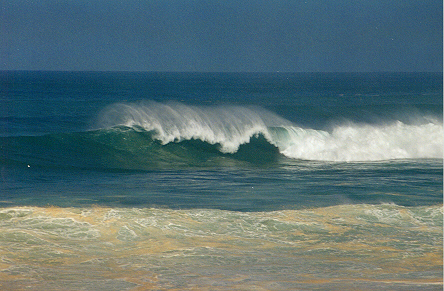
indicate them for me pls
(215, 181)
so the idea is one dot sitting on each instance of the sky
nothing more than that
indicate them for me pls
(222, 36)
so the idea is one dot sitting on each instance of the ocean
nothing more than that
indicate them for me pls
(221, 181)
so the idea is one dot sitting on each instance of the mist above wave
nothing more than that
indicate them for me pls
(232, 126)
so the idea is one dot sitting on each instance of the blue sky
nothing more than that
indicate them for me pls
(222, 36)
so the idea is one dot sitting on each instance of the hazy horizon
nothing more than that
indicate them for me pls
(228, 36)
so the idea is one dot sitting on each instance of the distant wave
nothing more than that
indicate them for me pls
(232, 126)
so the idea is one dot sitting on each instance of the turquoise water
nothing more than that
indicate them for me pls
(135, 181)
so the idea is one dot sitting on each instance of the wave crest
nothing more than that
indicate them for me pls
(229, 127)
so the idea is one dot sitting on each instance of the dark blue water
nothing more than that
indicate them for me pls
(138, 181)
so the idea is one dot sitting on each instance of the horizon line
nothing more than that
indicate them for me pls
(216, 72)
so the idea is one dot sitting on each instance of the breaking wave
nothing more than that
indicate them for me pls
(151, 135)
(232, 126)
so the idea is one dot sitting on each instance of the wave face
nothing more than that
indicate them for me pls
(123, 148)
(232, 126)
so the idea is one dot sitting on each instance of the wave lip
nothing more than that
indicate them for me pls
(228, 126)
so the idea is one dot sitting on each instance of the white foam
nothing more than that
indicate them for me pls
(353, 142)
